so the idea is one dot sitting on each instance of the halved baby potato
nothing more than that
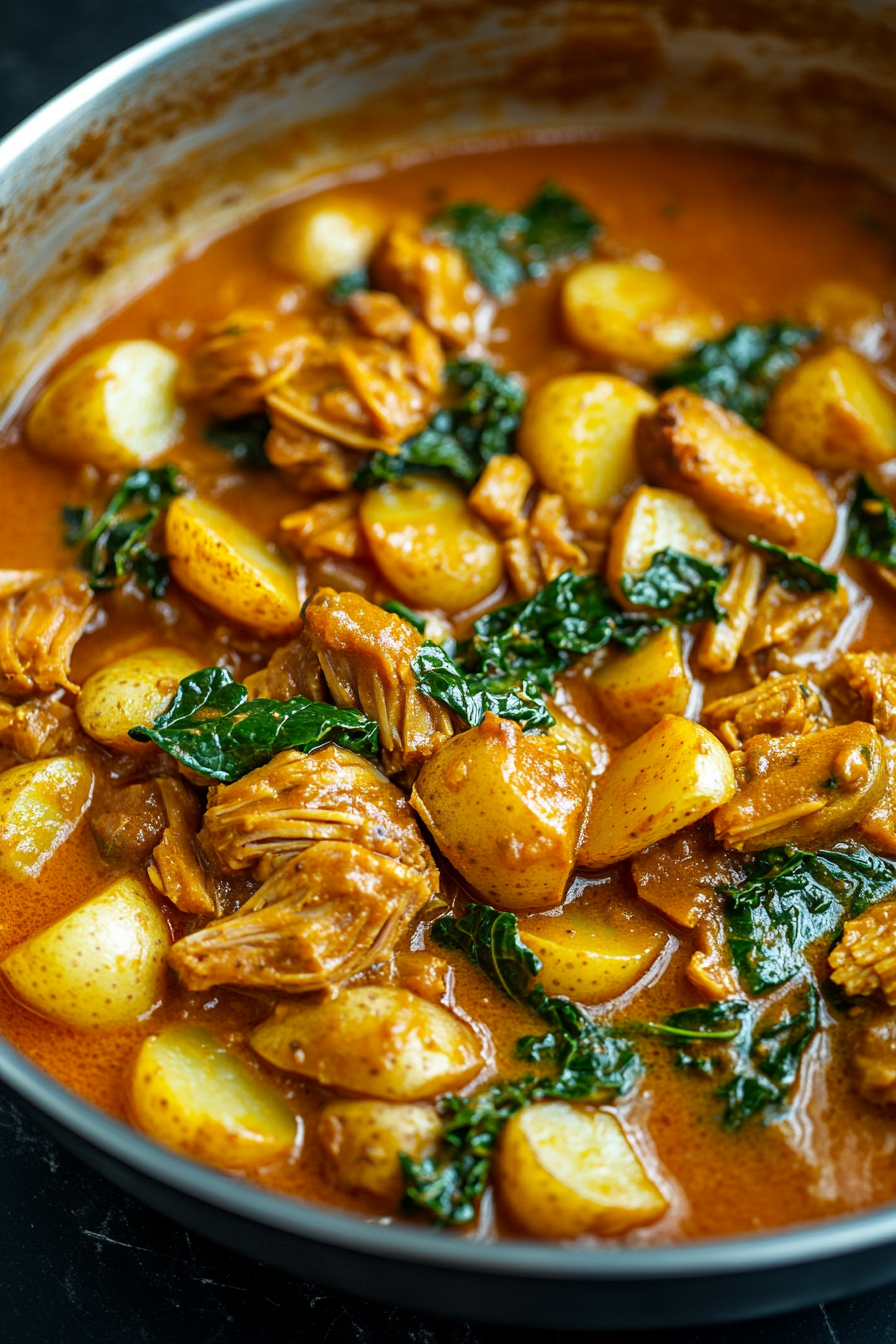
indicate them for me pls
(577, 434)
(652, 521)
(131, 693)
(193, 1095)
(363, 1140)
(318, 240)
(832, 412)
(634, 315)
(99, 966)
(671, 777)
(635, 690)
(374, 1041)
(430, 545)
(589, 959)
(565, 1170)
(115, 408)
(41, 803)
(226, 565)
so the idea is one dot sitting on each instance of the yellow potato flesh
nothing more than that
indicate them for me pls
(652, 521)
(377, 1042)
(563, 1171)
(832, 412)
(635, 690)
(99, 966)
(318, 242)
(577, 433)
(131, 692)
(587, 959)
(363, 1139)
(191, 1094)
(41, 803)
(505, 807)
(224, 564)
(114, 407)
(430, 545)
(634, 315)
(670, 777)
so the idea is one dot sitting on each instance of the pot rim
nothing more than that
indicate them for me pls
(750, 1253)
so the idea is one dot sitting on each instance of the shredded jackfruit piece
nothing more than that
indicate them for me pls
(864, 961)
(39, 628)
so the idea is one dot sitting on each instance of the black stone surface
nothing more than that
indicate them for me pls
(79, 1261)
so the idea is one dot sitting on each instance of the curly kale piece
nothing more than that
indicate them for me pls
(242, 438)
(871, 526)
(796, 573)
(116, 544)
(472, 697)
(683, 587)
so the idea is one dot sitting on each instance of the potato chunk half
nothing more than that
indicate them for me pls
(651, 521)
(635, 690)
(362, 1140)
(99, 966)
(379, 1042)
(114, 408)
(589, 959)
(577, 434)
(41, 803)
(669, 778)
(746, 485)
(563, 1170)
(223, 563)
(319, 240)
(832, 412)
(628, 313)
(505, 807)
(191, 1094)
(130, 693)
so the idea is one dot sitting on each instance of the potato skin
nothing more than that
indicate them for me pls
(564, 1170)
(362, 1140)
(430, 545)
(624, 312)
(832, 412)
(635, 690)
(746, 485)
(671, 777)
(41, 803)
(191, 1094)
(577, 434)
(223, 563)
(505, 807)
(587, 959)
(114, 407)
(130, 693)
(99, 966)
(372, 1041)
(650, 521)
(318, 241)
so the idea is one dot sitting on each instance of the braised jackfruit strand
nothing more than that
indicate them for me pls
(293, 670)
(38, 631)
(793, 622)
(779, 706)
(177, 871)
(874, 1061)
(321, 918)
(864, 961)
(865, 683)
(39, 727)
(246, 357)
(269, 816)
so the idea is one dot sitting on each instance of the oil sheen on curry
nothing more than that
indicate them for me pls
(448, 697)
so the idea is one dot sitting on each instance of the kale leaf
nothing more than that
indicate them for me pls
(116, 544)
(462, 438)
(790, 899)
(503, 250)
(764, 1078)
(490, 939)
(212, 726)
(345, 285)
(683, 587)
(871, 526)
(242, 438)
(399, 609)
(472, 697)
(720, 1021)
(796, 572)
(741, 369)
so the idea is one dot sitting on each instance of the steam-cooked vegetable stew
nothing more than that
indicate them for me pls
(448, 719)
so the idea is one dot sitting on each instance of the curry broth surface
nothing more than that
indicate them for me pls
(751, 233)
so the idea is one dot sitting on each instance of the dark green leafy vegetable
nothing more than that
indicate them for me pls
(764, 1078)
(871, 526)
(741, 370)
(796, 572)
(472, 697)
(490, 939)
(462, 438)
(212, 726)
(116, 544)
(348, 284)
(683, 587)
(503, 250)
(242, 438)
(722, 1021)
(399, 609)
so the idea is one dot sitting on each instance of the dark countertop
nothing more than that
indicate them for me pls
(78, 1259)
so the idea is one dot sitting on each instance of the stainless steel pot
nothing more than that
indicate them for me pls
(203, 126)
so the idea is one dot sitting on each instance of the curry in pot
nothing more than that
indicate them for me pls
(448, 697)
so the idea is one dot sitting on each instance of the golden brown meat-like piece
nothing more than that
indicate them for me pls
(878, 827)
(39, 727)
(272, 814)
(545, 547)
(779, 706)
(246, 356)
(320, 919)
(39, 628)
(129, 829)
(366, 655)
(320, 465)
(802, 790)
(720, 644)
(434, 280)
(293, 670)
(874, 1061)
(177, 870)
(864, 686)
(793, 622)
(329, 527)
(864, 961)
